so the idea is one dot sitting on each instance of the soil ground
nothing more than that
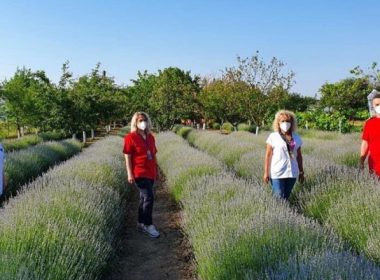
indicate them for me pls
(141, 257)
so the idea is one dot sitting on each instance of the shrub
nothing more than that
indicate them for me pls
(216, 125)
(184, 131)
(244, 127)
(52, 135)
(124, 130)
(176, 127)
(227, 127)
(22, 143)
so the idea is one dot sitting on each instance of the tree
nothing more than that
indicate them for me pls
(255, 72)
(296, 102)
(217, 101)
(27, 98)
(372, 74)
(97, 100)
(174, 97)
(346, 96)
(139, 95)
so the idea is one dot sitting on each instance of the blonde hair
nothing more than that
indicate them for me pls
(134, 122)
(289, 114)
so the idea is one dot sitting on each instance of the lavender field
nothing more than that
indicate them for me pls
(329, 230)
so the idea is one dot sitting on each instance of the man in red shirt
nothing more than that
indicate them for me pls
(371, 140)
(140, 157)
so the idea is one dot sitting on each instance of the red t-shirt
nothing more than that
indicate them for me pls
(371, 134)
(139, 148)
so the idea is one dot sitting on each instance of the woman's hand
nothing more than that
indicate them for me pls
(266, 178)
(131, 179)
(301, 178)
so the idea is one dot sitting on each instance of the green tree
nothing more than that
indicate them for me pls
(139, 94)
(218, 103)
(174, 97)
(96, 100)
(259, 74)
(372, 74)
(346, 96)
(297, 103)
(27, 98)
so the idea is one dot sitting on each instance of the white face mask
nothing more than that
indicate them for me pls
(142, 125)
(285, 126)
(377, 109)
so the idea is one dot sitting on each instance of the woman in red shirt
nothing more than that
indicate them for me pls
(140, 157)
(370, 146)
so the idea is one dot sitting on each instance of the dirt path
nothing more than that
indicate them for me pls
(141, 257)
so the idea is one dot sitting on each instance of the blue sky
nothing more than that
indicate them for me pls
(319, 40)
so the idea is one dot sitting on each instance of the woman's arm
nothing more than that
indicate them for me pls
(363, 153)
(128, 165)
(300, 165)
(268, 158)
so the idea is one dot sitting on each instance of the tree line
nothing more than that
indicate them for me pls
(249, 92)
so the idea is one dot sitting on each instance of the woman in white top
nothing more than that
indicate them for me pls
(283, 156)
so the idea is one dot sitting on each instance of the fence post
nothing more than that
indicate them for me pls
(257, 130)
(340, 125)
(92, 134)
(84, 136)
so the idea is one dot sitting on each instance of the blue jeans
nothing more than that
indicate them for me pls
(282, 187)
(145, 187)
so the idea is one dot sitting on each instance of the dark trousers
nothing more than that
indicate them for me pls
(145, 186)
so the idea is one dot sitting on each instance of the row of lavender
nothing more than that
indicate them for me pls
(239, 231)
(64, 225)
(336, 194)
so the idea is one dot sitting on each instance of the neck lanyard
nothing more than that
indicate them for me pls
(148, 152)
(287, 143)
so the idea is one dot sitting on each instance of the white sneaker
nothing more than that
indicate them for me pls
(140, 227)
(151, 231)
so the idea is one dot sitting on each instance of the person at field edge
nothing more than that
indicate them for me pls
(370, 146)
(2, 175)
(283, 156)
(140, 157)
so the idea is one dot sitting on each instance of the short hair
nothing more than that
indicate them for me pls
(289, 114)
(134, 122)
